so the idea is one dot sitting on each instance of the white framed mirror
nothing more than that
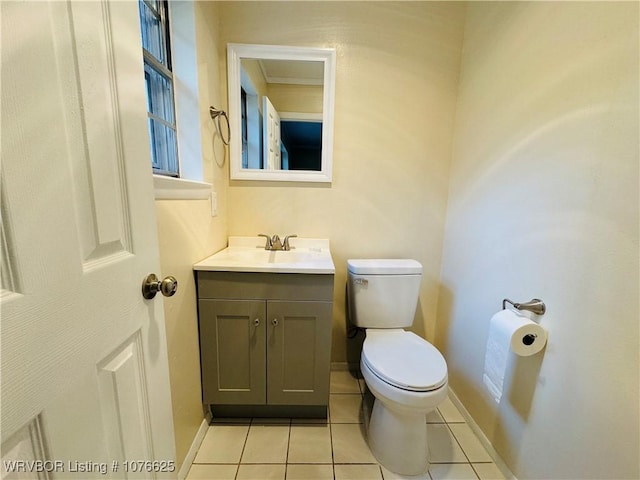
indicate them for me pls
(281, 106)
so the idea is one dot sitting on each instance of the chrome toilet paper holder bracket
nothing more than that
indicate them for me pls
(535, 305)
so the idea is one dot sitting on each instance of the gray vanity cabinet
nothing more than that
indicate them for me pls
(298, 352)
(233, 351)
(265, 338)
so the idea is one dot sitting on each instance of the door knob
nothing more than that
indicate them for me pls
(152, 285)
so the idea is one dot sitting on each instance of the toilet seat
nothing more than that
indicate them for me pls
(404, 360)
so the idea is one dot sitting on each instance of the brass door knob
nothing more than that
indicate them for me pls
(152, 285)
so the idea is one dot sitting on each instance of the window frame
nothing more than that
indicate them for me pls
(164, 68)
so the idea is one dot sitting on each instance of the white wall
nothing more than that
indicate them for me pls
(544, 203)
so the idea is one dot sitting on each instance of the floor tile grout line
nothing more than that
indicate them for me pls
(333, 463)
(450, 463)
(475, 471)
(331, 422)
(463, 450)
(447, 423)
(246, 438)
(288, 446)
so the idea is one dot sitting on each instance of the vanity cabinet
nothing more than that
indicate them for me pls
(265, 339)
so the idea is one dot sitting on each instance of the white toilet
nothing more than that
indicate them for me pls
(406, 374)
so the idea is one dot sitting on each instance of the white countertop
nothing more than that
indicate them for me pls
(247, 254)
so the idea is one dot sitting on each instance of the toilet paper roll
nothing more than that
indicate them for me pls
(528, 338)
(509, 331)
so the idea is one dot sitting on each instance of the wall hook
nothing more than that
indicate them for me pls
(215, 116)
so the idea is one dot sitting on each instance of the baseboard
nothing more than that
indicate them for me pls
(482, 437)
(193, 450)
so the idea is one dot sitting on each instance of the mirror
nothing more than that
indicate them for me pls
(281, 103)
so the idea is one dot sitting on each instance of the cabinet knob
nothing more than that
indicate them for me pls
(256, 322)
(274, 322)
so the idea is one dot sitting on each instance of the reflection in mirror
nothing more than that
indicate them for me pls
(281, 108)
(281, 104)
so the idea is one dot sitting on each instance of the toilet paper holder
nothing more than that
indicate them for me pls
(535, 305)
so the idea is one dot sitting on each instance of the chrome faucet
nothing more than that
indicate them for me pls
(274, 243)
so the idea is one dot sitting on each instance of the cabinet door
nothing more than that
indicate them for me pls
(232, 351)
(299, 350)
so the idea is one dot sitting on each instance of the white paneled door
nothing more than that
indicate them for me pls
(85, 383)
(271, 129)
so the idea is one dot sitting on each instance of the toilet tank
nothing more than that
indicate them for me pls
(383, 293)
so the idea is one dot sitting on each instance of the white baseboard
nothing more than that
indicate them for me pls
(193, 450)
(482, 437)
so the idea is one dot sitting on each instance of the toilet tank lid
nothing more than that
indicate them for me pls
(384, 266)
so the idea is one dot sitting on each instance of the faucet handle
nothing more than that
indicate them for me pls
(286, 241)
(268, 245)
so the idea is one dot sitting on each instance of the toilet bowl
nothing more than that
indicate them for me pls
(408, 378)
(405, 373)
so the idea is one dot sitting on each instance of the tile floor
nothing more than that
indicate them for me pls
(294, 449)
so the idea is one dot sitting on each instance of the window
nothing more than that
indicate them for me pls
(158, 75)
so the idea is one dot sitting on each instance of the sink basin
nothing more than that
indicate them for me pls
(247, 254)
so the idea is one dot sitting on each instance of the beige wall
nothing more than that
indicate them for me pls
(397, 72)
(296, 98)
(284, 97)
(187, 234)
(254, 72)
(544, 203)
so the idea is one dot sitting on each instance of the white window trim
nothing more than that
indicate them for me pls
(172, 188)
(190, 185)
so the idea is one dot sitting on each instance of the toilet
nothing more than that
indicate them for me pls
(405, 373)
